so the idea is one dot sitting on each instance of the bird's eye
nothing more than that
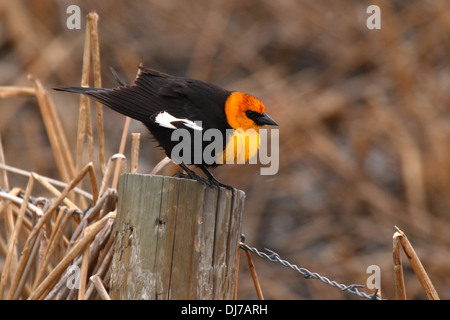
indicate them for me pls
(251, 114)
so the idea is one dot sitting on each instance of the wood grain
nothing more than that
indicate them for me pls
(176, 239)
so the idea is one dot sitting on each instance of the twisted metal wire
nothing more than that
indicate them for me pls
(274, 257)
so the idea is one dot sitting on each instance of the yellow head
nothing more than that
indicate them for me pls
(246, 115)
(245, 112)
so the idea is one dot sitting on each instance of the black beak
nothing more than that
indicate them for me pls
(265, 119)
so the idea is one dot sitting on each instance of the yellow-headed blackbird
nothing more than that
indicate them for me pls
(164, 103)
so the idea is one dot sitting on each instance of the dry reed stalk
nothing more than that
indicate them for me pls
(101, 240)
(3, 247)
(161, 165)
(53, 190)
(14, 198)
(89, 132)
(105, 256)
(60, 290)
(109, 171)
(107, 175)
(81, 132)
(102, 204)
(57, 128)
(84, 119)
(55, 132)
(3, 175)
(84, 101)
(13, 238)
(123, 142)
(91, 50)
(134, 158)
(103, 251)
(103, 263)
(94, 183)
(60, 133)
(89, 233)
(417, 266)
(399, 282)
(34, 232)
(92, 18)
(98, 284)
(49, 180)
(10, 91)
(27, 223)
(9, 220)
(83, 273)
(53, 242)
(23, 286)
(254, 276)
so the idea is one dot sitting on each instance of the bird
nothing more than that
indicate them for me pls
(165, 103)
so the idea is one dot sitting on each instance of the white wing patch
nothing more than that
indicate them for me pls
(165, 119)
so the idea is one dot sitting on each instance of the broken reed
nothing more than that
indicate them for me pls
(49, 248)
(419, 270)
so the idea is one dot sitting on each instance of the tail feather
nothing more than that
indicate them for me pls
(82, 90)
(118, 99)
(118, 79)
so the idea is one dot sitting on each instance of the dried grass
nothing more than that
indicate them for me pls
(41, 272)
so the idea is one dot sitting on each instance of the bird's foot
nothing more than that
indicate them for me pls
(213, 182)
(210, 182)
(182, 175)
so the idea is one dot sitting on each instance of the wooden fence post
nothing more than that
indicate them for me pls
(176, 239)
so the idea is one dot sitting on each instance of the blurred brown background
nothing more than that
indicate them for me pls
(363, 115)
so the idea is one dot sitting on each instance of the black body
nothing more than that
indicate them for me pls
(154, 92)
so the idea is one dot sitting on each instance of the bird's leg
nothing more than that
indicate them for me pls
(189, 174)
(212, 181)
(180, 174)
